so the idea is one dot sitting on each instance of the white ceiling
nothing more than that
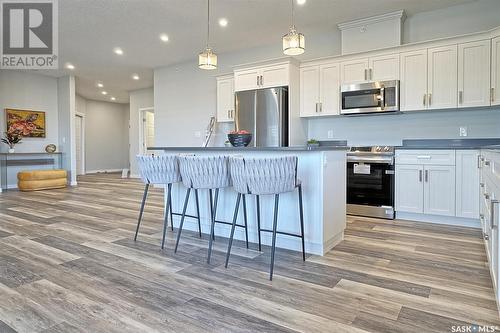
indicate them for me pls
(90, 29)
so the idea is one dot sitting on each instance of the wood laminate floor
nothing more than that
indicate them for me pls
(68, 264)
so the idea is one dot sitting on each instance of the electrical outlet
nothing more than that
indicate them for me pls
(330, 134)
(463, 130)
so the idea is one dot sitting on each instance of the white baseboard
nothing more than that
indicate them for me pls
(134, 176)
(449, 220)
(73, 183)
(103, 171)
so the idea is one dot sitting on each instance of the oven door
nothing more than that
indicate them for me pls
(370, 97)
(370, 188)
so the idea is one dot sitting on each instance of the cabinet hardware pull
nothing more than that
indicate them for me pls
(427, 157)
(320, 107)
(229, 113)
(371, 73)
(429, 100)
(366, 74)
(423, 101)
(494, 206)
(479, 161)
(486, 162)
(257, 80)
(492, 94)
(426, 176)
(261, 80)
(481, 184)
(317, 107)
(420, 175)
(486, 237)
(460, 97)
(486, 196)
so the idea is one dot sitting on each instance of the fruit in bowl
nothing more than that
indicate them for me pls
(241, 138)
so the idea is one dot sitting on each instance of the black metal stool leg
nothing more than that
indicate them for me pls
(257, 198)
(275, 225)
(171, 210)
(198, 210)
(167, 209)
(301, 209)
(216, 203)
(235, 217)
(245, 218)
(212, 226)
(145, 195)
(182, 218)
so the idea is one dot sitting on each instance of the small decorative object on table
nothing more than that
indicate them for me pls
(240, 138)
(51, 148)
(12, 138)
(312, 143)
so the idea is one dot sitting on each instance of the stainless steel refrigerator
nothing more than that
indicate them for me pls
(264, 113)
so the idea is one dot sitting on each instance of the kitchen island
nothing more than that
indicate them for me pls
(322, 171)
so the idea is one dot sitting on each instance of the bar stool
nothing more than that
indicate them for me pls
(210, 173)
(264, 176)
(162, 170)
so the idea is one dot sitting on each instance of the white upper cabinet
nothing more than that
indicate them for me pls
(439, 190)
(467, 191)
(384, 67)
(413, 85)
(225, 99)
(354, 71)
(409, 188)
(495, 71)
(474, 74)
(442, 77)
(329, 89)
(262, 77)
(309, 91)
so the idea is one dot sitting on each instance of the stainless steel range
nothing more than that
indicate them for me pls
(370, 181)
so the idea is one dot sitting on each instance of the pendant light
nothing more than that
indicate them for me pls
(293, 41)
(207, 59)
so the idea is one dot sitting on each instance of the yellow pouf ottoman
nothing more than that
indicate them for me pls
(36, 180)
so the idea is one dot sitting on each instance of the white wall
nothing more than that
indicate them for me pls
(21, 90)
(106, 134)
(66, 111)
(139, 99)
(185, 97)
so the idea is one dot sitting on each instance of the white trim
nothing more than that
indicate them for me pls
(449, 220)
(81, 115)
(142, 111)
(104, 171)
(399, 14)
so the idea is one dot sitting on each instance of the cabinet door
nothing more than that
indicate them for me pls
(474, 74)
(413, 86)
(385, 67)
(495, 71)
(442, 76)
(275, 76)
(246, 80)
(225, 100)
(309, 91)
(354, 71)
(329, 85)
(439, 190)
(409, 188)
(467, 183)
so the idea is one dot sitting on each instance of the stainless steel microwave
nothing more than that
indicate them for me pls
(371, 97)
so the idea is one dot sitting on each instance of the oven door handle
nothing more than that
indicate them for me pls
(380, 160)
(382, 98)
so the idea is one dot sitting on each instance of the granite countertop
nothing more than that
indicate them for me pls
(243, 149)
(488, 143)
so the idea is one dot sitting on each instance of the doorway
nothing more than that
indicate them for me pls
(80, 143)
(147, 136)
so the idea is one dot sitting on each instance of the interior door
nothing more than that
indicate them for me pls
(495, 71)
(309, 91)
(474, 74)
(148, 130)
(79, 137)
(413, 85)
(329, 85)
(442, 86)
(409, 188)
(439, 190)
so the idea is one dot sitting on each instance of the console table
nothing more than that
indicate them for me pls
(15, 162)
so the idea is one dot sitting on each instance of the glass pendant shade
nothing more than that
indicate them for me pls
(207, 59)
(293, 42)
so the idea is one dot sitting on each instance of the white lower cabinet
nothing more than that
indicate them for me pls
(409, 188)
(439, 190)
(467, 176)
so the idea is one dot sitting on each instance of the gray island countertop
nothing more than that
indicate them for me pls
(243, 149)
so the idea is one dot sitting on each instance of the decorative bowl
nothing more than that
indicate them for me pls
(240, 140)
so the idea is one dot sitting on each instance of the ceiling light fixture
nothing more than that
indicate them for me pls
(301, 2)
(118, 51)
(104, 92)
(135, 77)
(113, 99)
(100, 85)
(207, 59)
(223, 22)
(164, 37)
(69, 66)
(293, 41)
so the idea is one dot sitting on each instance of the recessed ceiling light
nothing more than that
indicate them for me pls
(113, 99)
(69, 66)
(135, 77)
(164, 37)
(118, 51)
(100, 85)
(104, 92)
(301, 2)
(223, 22)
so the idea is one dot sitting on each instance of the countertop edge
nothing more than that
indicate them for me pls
(253, 149)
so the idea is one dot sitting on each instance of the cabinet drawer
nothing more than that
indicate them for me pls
(425, 157)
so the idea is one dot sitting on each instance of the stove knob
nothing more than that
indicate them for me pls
(386, 148)
(378, 148)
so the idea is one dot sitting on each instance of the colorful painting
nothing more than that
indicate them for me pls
(31, 124)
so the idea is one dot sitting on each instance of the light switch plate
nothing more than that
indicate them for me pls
(463, 130)
(330, 134)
